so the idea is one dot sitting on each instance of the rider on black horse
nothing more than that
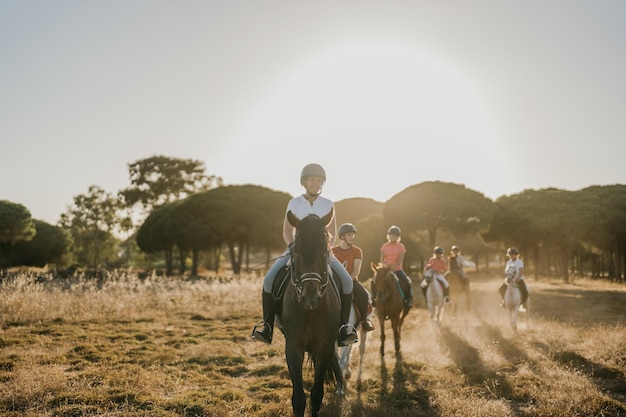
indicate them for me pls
(312, 179)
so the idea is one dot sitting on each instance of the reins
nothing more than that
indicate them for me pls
(270, 260)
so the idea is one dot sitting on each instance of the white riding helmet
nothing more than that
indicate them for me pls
(312, 170)
(346, 228)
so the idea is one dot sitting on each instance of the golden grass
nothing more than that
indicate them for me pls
(121, 346)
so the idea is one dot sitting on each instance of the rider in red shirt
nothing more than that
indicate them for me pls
(392, 255)
(351, 257)
(438, 264)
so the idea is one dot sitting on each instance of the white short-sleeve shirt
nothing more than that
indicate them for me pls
(301, 207)
(513, 268)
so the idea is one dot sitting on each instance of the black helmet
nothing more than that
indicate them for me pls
(512, 251)
(346, 228)
(394, 230)
(312, 170)
(438, 250)
(455, 248)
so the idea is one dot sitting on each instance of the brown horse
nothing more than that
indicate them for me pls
(458, 287)
(310, 315)
(389, 303)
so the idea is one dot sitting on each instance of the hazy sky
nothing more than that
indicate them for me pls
(500, 96)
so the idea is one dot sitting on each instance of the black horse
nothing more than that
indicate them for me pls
(310, 315)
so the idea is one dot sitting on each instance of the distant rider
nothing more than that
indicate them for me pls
(514, 269)
(438, 264)
(392, 255)
(457, 264)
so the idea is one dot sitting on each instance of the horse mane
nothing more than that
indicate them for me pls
(310, 236)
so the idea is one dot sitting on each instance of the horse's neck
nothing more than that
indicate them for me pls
(512, 291)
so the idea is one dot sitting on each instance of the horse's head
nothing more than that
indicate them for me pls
(510, 278)
(429, 275)
(383, 281)
(310, 270)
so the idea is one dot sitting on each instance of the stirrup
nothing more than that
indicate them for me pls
(258, 335)
(350, 336)
(446, 299)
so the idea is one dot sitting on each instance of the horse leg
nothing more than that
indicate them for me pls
(361, 354)
(382, 336)
(317, 391)
(295, 358)
(513, 317)
(396, 333)
(440, 312)
(344, 361)
(337, 373)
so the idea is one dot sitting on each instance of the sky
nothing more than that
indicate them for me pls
(500, 96)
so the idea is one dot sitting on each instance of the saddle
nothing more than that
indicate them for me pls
(399, 285)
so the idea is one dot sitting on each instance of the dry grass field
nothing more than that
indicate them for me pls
(173, 347)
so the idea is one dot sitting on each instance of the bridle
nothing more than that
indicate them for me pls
(384, 294)
(298, 283)
(320, 278)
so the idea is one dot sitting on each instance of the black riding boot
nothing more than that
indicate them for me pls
(424, 290)
(524, 291)
(408, 295)
(347, 334)
(446, 295)
(267, 332)
(502, 291)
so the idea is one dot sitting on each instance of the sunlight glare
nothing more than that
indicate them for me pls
(360, 99)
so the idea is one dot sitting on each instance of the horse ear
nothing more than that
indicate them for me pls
(329, 217)
(374, 267)
(293, 220)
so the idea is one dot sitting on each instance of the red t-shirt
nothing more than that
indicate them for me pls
(438, 264)
(347, 256)
(392, 253)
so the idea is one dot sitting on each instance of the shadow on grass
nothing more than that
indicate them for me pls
(506, 347)
(399, 393)
(610, 381)
(477, 373)
(578, 307)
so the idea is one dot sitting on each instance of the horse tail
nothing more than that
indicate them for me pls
(334, 374)
(405, 312)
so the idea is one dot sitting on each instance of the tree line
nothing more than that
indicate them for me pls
(173, 214)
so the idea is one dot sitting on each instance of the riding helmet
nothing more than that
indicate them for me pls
(394, 230)
(438, 250)
(346, 228)
(312, 170)
(455, 248)
(512, 251)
